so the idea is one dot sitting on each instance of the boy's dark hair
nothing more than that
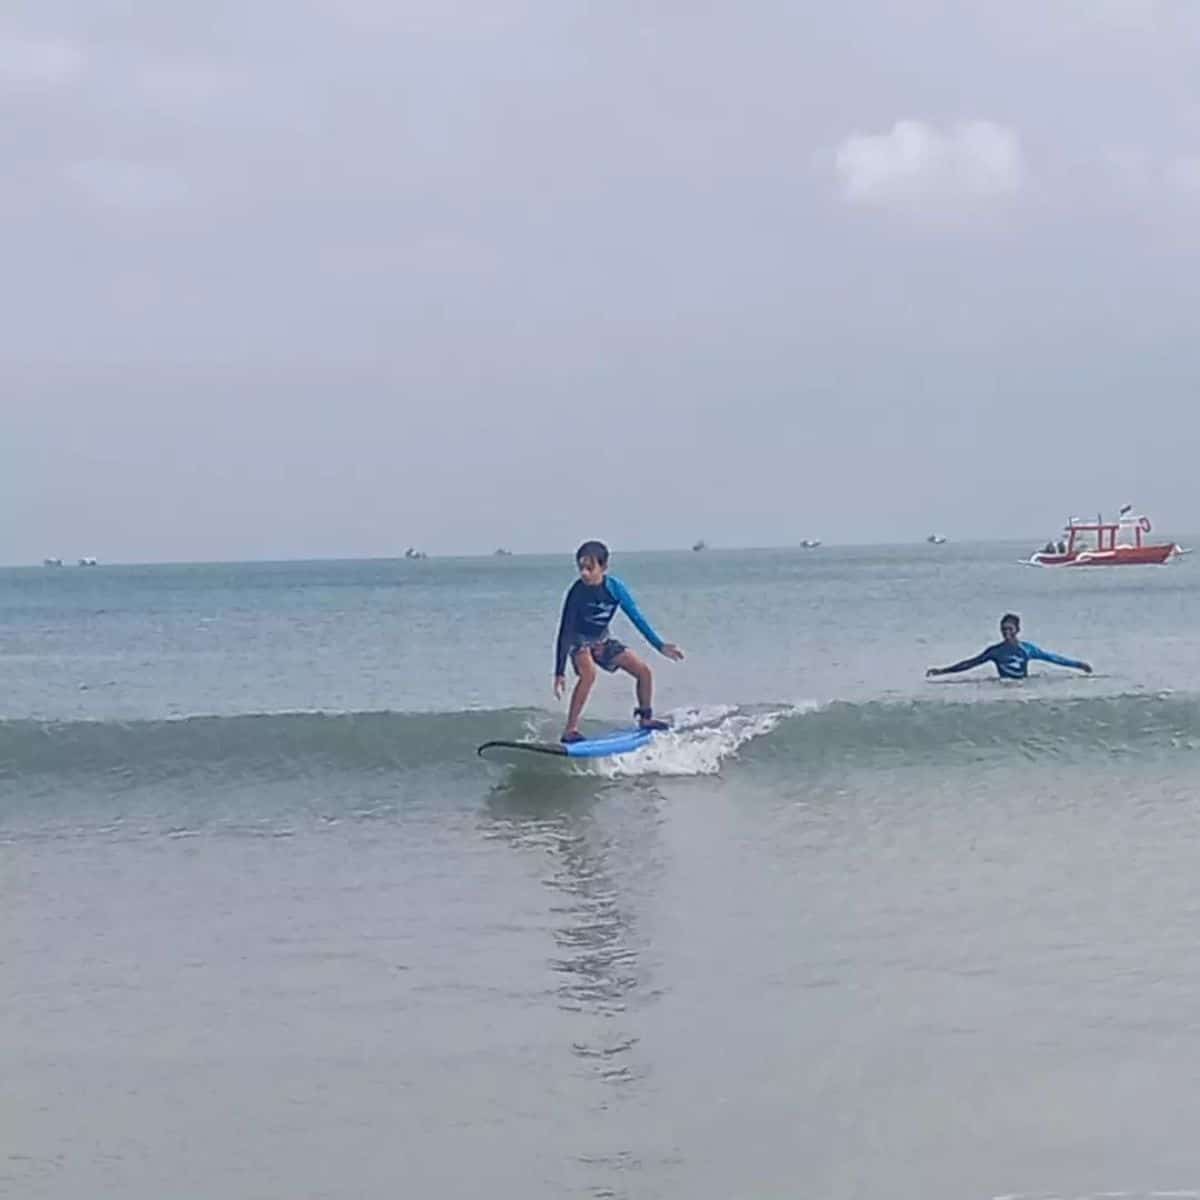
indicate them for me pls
(596, 551)
(1010, 619)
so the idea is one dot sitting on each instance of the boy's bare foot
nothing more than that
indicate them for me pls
(570, 736)
(647, 720)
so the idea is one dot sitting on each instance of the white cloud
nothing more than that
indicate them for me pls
(38, 61)
(127, 185)
(916, 162)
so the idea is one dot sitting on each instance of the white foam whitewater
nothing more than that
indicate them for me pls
(699, 741)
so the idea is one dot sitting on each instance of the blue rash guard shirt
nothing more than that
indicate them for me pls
(587, 613)
(1012, 659)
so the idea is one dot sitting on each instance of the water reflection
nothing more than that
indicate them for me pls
(596, 841)
(597, 838)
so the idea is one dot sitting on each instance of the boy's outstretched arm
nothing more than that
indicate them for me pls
(966, 664)
(629, 607)
(1059, 660)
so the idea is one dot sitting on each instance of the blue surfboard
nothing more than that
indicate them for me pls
(620, 741)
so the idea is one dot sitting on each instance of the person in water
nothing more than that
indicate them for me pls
(591, 603)
(1011, 656)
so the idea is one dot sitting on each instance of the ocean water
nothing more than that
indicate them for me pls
(271, 929)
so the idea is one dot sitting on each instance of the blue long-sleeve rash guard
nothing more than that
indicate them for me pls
(1012, 659)
(588, 612)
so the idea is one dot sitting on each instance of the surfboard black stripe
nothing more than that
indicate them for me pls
(533, 747)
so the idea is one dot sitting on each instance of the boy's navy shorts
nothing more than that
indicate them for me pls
(604, 653)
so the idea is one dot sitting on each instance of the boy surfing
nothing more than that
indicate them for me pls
(590, 605)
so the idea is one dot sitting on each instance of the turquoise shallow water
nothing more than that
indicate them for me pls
(270, 929)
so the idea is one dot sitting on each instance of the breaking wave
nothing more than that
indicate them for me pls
(704, 741)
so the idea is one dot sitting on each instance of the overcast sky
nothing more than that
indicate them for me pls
(331, 277)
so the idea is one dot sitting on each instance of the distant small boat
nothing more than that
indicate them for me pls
(810, 543)
(936, 539)
(51, 562)
(87, 561)
(411, 552)
(502, 553)
(700, 545)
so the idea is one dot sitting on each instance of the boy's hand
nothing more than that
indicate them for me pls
(673, 652)
(933, 671)
(560, 686)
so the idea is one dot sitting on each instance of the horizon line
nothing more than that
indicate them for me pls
(427, 556)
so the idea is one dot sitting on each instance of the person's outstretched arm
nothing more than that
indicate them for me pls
(1059, 660)
(966, 664)
(629, 607)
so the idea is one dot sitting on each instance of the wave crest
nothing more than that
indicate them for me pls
(280, 745)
